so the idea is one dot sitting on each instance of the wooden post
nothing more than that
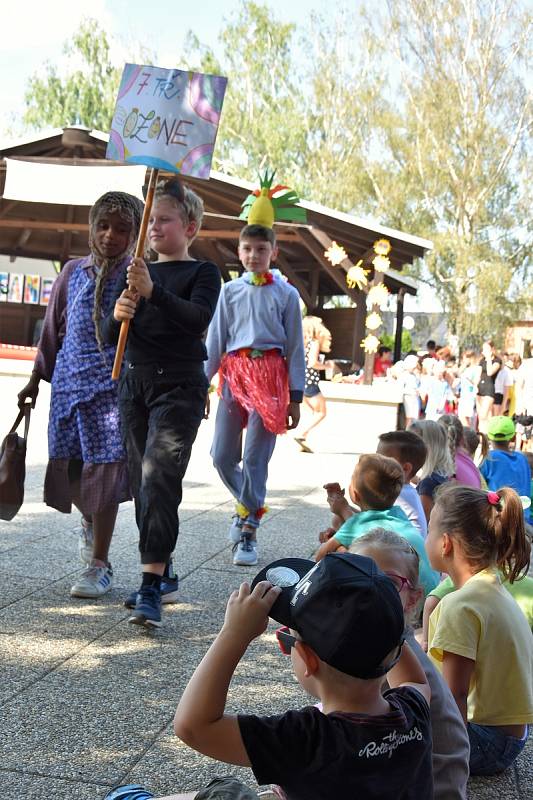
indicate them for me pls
(371, 357)
(139, 251)
(399, 326)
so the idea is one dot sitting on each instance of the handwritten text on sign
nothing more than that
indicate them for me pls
(167, 118)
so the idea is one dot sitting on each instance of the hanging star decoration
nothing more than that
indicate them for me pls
(378, 295)
(356, 276)
(382, 247)
(335, 254)
(370, 343)
(381, 263)
(270, 204)
(373, 321)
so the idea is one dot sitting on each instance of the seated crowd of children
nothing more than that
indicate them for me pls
(428, 541)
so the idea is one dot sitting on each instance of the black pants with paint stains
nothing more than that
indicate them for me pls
(160, 411)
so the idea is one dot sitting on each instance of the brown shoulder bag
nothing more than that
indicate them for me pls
(13, 466)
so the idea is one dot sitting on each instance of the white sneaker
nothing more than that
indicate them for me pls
(245, 552)
(93, 582)
(235, 531)
(85, 542)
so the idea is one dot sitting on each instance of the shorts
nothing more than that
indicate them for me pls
(312, 390)
(491, 750)
(498, 398)
(411, 406)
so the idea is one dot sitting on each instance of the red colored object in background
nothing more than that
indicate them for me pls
(18, 351)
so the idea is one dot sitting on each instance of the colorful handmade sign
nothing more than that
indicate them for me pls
(4, 285)
(167, 119)
(32, 287)
(46, 290)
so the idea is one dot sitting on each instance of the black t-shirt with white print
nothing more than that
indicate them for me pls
(338, 756)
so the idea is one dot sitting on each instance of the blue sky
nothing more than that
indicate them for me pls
(34, 32)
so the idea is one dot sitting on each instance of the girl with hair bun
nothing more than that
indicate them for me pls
(86, 465)
(478, 635)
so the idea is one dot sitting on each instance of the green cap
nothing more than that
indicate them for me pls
(501, 429)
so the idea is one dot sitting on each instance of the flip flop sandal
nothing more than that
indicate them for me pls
(304, 447)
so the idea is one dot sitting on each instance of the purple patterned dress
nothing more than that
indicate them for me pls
(84, 420)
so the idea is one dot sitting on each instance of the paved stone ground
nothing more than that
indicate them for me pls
(86, 700)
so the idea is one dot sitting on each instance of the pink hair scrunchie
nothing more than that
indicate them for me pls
(493, 498)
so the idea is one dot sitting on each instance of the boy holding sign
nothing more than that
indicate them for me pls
(163, 388)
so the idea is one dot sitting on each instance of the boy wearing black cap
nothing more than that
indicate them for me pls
(343, 627)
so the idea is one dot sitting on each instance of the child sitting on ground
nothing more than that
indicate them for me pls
(397, 559)
(466, 471)
(375, 486)
(438, 467)
(410, 452)
(477, 446)
(478, 636)
(521, 590)
(362, 743)
(503, 466)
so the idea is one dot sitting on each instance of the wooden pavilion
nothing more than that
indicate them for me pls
(59, 232)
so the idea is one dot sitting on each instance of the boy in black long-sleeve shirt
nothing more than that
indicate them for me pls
(163, 387)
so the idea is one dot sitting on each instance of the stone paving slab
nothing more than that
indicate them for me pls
(87, 700)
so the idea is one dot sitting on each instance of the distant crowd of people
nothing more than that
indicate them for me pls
(476, 386)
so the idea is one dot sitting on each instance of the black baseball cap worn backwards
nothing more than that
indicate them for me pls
(343, 607)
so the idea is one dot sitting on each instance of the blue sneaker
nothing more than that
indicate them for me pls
(147, 609)
(130, 792)
(245, 552)
(169, 589)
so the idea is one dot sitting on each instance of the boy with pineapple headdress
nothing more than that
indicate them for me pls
(255, 343)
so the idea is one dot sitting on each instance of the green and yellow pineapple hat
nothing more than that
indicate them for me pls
(269, 204)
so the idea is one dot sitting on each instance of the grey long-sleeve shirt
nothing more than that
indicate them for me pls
(263, 318)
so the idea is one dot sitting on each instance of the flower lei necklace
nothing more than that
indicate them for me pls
(261, 278)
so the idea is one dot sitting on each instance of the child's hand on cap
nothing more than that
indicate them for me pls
(247, 612)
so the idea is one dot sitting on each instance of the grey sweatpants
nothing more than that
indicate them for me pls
(246, 482)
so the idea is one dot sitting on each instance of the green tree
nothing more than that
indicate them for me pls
(86, 94)
(342, 86)
(261, 120)
(455, 166)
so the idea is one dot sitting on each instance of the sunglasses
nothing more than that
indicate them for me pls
(399, 581)
(286, 640)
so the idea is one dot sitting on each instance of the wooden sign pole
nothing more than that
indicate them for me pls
(139, 252)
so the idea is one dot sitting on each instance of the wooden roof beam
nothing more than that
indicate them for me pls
(317, 251)
(293, 277)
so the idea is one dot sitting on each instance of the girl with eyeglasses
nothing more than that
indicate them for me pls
(397, 559)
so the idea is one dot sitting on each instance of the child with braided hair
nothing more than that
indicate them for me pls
(466, 471)
(86, 459)
(478, 635)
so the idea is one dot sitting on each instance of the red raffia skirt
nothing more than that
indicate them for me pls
(258, 381)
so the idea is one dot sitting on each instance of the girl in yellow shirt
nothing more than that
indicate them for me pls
(478, 636)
